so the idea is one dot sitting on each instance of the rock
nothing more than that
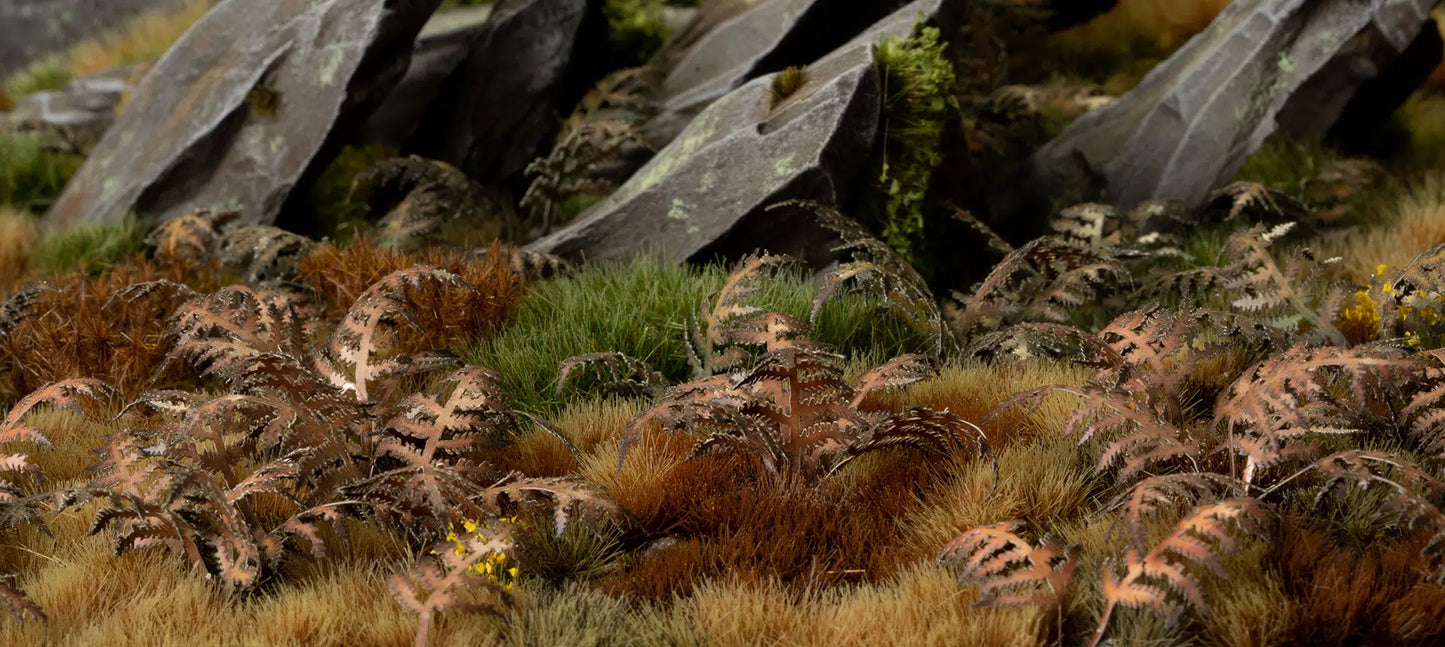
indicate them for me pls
(731, 42)
(235, 114)
(497, 110)
(705, 194)
(33, 29)
(83, 110)
(1189, 126)
(442, 47)
(1371, 76)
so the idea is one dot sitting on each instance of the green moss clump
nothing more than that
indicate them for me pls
(637, 28)
(641, 308)
(331, 195)
(1285, 165)
(90, 249)
(918, 83)
(31, 177)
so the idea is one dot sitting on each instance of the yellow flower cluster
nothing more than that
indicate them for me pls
(498, 566)
(1360, 320)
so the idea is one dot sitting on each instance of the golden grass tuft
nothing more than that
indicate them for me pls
(1044, 481)
(18, 233)
(975, 389)
(920, 606)
(143, 38)
(1413, 225)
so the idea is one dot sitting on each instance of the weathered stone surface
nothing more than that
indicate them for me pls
(33, 29)
(494, 113)
(705, 194)
(83, 110)
(442, 47)
(237, 111)
(733, 41)
(1189, 126)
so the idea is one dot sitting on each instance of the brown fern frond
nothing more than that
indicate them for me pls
(1008, 571)
(723, 336)
(1168, 492)
(875, 269)
(920, 428)
(20, 305)
(469, 409)
(568, 498)
(417, 196)
(22, 607)
(1254, 201)
(577, 167)
(623, 374)
(261, 253)
(897, 373)
(1162, 579)
(1091, 225)
(429, 590)
(1058, 342)
(1284, 295)
(1042, 281)
(355, 355)
(1306, 391)
(190, 238)
(69, 395)
(1415, 494)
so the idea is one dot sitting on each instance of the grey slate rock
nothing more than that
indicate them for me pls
(442, 47)
(496, 111)
(84, 109)
(236, 113)
(731, 42)
(1189, 126)
(706, 193)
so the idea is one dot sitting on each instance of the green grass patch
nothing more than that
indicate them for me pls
(641, 308)
(49, 73)
(91, 249)
(31, 177)
(1285, 164)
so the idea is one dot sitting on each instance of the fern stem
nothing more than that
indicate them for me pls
(1103, 624)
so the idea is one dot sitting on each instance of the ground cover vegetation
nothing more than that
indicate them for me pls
(1228, 433)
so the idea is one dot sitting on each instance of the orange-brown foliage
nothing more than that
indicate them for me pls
(1379, 596)
(733, 519)
(340, 274)
(73, 334)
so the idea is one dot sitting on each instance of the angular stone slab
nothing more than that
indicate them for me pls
(494, 113)
(1189, 126)
(84, 109)
(442, 47)
(734, 41)
(235, 114)
(705, 193)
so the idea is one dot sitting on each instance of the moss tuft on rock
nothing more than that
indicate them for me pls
(918, 83)
(331, 195)
(32, 175)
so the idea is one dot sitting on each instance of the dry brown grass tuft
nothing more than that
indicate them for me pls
(147, 36)
(340, 274)
(920, 606)
(591, 424)
(1415, 224)
(73, 334)
(18, 233)
(1045, 481)
(1345, 597)
(975, 389)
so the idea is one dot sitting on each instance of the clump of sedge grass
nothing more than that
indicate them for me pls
(641, 308)
(31, 176)
(89, 249)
